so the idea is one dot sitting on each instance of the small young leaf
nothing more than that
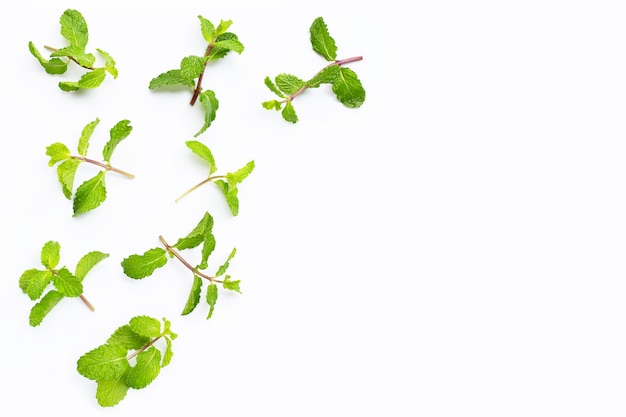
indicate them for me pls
(110, 392)
(198, 235)
(348, 88)
(43, 307)
(203, 152)
(217, 52)
(67, 284)
(223, 27)
(145, 326)
(141, 266)
(53, 66)
(118, 133)
(37, 283)
(231, 285)
(194, 296)
(57, 152)
(272, 105)
(68, 86)
(321, 41)
(90, 194)
(103, 362)
(172, 77)
(208, 30)
(230, 193)
(289, 84)
(87, 262)
(238, 176)
(74, 28)
(109, 63)
(207, 248)
(191, 66)
(289, 113)
(210, 104)
(50, 254)
(145, 370)
(167, 356)
(81, 57)
(124, 336)
(222, 269)
(230, 45)
(83, 142)
(326, 76)
(273, 88)
(92, 79)
(66, 171)
(211, 298)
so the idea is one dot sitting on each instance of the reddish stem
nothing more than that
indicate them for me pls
(177, 255)
(196, 92)
(103, 165)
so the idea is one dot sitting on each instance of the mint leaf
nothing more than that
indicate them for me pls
(289, 113)
(66, 171)
(27, 276)
(57, 152)
(273, 88)
(203, 152)
(231, 285)
(198, 234)
(145, 326)
(141, 266)
(109, 63)
(238, 176)
(37, 283)
(87, 262)
(172, 77)
(230, 193)
(53, 66)
(223, 27)
(326, 76)
(216, 52)
(211, 298)
(50, 254)
(90, 194)
(81, 57)
(125, 337)
(231, 44)
(348, 88)
(110, 392)
(191, 66)
(83, 142)
(167, 356)
(289, 84)
(145, 370)
(222, 269)
(272, 105)
(92, 79)
(194, 296)
(207, 28)
(74, 28)
(321, 41)
(103, 362)
(67, 284)
(210, 104)
(118, 133)
(43, 307)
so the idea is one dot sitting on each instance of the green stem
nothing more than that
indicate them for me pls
(108, 167)
(146, 346)
(204, 181)
(178, 256)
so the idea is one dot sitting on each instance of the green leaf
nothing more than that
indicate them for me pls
(238, 176)
(109, 63)
(211, 298)
(222, 269)
(272, 105)
(66, 171)
(216, 52)
(68, 86)
(90, 79)
(83, 142)
(118, 133)
(83, 58)
(289, 113)
(74, 28)
(348, 88)
(198, 235)
(210, 104)
(191, 66)
(167, 356)
(141, 266)
(207, 28)
(37, 283)
(203, 152)
(223, 27)
(125, 337)
(146, 369)
(110, 392)
(87, 262)
(289, 84)
(50, 254)
(269, 84)
(231, 285)
(67, 284)
(230, 45)
(194, 296)
(27, 276)
(321, 41)
(53, 66)
(90, 194)
(103, 362)
(326, 76)
(57, 152)
(43, 307)
(145, 326)
(230, 193)
(172, 77)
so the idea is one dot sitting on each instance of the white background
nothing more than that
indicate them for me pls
(454, 247)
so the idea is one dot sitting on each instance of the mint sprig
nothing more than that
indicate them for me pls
(74, 30)
(191, 71)
(91, 193)
(344, 81)
(34, 282)
(140, 266)
(128, 359)
(227, 183)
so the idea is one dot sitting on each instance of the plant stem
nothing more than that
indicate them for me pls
(105, 166)
(196, 92)
(50, 48)
(87, 303)
(146, 346)
(173, 251)
(204, 181)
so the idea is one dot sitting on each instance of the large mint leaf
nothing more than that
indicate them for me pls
(145, 370)
(171, 78)
(74, 28)
(104, 362)
(321, 41)
(348, 88)
(141, 266)
(90, 194)
(43, 307)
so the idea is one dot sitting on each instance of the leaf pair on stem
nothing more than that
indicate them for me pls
(34, 282)
(345, 83)
(74, 29)
(192, 68)
(111, 365)
(91, 193)
(144, 265)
